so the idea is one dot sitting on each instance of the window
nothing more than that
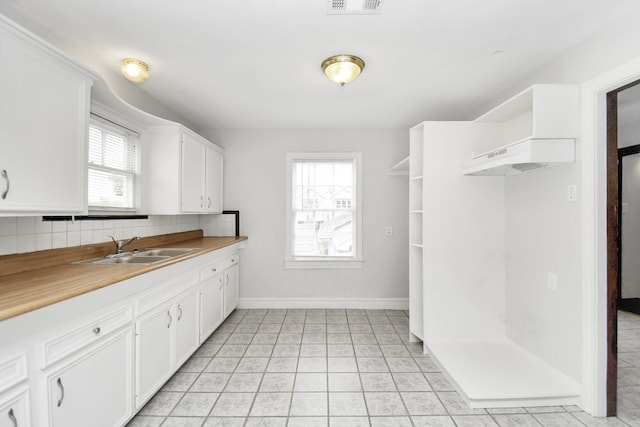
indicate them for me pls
(112, 157)
(324, 210)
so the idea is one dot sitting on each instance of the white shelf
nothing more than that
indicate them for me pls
(542, 113)
(401, 168)
(416, 277)
(502, 374)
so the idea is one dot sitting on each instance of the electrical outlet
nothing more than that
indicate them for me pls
(388, 231)
(572, 193)
(552, 281)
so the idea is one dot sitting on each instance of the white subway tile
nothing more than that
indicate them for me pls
(8, 226)
(26, 225)
(73, 238)
(59, 240)
(43, 241)
(26, 243)
(8, 245)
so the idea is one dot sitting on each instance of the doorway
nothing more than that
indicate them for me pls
(623, 230)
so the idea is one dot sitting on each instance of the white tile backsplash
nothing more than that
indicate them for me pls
(28, 234)
(218, 225)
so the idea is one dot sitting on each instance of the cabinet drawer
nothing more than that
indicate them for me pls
(61, 346)
(164, 292)
(211, 270)
(13, 371)
(231, 260)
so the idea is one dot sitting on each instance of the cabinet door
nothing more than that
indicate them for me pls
(192, 174)
(187, 326)
(232, 282)
(153, 352)
(211, 305)
(214, 181)
(44, 110)
(94, 390)
(14, 411)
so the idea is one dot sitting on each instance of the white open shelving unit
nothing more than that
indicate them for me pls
(457, 256)
(416, 234)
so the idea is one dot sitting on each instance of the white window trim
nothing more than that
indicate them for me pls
(292, 262)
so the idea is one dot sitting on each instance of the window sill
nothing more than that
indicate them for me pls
(324, 263)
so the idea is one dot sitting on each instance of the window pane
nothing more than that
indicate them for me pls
(323, 233)
(110, 189)
(95, 145)
(115, 152)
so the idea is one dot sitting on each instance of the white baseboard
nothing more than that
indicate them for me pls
(365, 303)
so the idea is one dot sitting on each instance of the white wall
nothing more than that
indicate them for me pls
(542, 236)
(544, 232)
(255, 185)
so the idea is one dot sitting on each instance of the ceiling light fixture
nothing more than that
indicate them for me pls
(342, 69)
(134, 70)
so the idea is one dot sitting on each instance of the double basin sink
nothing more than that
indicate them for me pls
(145, 256)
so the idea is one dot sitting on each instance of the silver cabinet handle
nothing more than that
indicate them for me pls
(97, 330)
(201, 201)
(12, 417)
(5, 175)
(209, 199)
(179, 312)
(170, 319)
(233, 260)
(61, 391)
(227, 278)
(214, 270)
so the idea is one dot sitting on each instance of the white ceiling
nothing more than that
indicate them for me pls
(256, 63)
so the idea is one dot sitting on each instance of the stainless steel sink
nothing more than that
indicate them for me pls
(145, 256)
(168, 252)
(130, 259)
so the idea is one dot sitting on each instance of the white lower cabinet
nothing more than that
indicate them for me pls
(96, 359)
(14, 391)
(187, 331)
(94, 388)
(14, 408)
(232, 284)
(166, 335)
(153, 352)
(211, 298)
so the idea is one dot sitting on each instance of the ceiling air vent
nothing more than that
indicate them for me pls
(354, 7)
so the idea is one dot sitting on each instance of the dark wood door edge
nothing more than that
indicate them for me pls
(612, 252)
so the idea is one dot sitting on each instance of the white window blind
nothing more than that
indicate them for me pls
(112, 168)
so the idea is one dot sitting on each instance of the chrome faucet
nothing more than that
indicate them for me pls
(121, 244)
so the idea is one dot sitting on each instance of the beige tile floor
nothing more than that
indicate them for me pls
(345, 368)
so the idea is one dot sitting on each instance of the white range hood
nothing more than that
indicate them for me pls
(522, 156)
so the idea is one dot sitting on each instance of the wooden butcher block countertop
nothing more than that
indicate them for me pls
(34, 280)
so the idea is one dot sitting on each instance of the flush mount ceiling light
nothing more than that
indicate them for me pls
(342, 69)
(134, 70)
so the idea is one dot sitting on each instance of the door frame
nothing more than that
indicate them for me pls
(592, 149)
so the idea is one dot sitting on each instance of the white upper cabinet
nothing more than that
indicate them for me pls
(182, 172)
(44, 112)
